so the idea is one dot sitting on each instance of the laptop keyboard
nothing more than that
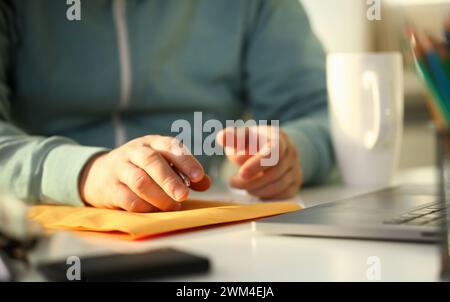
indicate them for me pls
(430, 215)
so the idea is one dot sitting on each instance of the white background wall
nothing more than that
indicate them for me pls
(340, 24)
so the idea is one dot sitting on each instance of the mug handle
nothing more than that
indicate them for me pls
(379, 128)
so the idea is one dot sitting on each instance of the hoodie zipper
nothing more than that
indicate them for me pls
(119, 14)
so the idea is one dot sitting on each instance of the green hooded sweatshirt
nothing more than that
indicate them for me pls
(72, 88)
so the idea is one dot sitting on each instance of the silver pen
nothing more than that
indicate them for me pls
(183, 177)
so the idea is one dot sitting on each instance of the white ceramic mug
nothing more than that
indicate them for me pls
(366, 115)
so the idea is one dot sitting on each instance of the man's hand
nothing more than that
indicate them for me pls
(137, 176)
(280, 180)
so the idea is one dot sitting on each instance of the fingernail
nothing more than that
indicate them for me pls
(229, 151)
(179, 192)
(265, 151)
(195, 174)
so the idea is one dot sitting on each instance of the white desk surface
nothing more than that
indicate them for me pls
(239, 254)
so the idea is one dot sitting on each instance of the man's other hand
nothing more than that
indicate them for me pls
(279, 180)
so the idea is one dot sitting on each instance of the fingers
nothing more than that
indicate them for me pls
(160, 172)
(175, 152)
(253, 166)
(153, 158)
(138, 181)
(138, 177)
(282, 181)
(235, 142)
(202, 185)
(127, 200)
(273, 172)
(285, 187)
(249, 147)
(275, 188)
(266, 178)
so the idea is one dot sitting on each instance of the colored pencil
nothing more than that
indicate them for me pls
(440, 104)
(436, 68)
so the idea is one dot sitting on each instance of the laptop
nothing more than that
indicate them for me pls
(401, 213)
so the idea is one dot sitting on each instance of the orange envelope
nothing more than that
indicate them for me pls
(194, 213)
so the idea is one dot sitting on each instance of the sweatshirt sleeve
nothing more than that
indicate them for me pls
(285, 76)
(35, 169)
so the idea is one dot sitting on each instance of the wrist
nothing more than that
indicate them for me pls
(84, 176)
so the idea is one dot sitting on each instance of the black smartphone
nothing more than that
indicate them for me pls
(150, 265)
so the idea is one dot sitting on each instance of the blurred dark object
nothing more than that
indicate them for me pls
(18, 235)
(443, 140)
